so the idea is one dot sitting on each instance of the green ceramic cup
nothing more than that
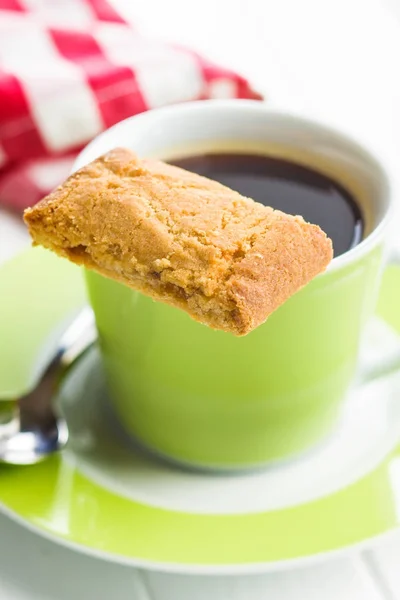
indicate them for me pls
(208, 399)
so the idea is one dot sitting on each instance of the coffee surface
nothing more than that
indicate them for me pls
(289, 187)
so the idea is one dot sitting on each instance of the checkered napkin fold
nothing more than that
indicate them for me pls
(71, 68)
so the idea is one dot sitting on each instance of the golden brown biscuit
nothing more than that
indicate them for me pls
(180, 238)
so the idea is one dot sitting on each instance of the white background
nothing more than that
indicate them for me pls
(338, 60)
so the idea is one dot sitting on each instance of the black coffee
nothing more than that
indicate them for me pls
(289, 187)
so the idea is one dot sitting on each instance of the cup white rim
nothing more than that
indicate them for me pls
(377, 156)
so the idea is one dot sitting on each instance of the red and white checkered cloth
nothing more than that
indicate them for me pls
(71, 68)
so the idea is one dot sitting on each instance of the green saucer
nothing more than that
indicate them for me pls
(104, 497)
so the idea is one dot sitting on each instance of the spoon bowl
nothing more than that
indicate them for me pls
(30, 428)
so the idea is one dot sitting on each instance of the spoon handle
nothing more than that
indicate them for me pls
(34, 410)
(76, 339)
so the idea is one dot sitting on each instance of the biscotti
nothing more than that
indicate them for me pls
(180, 238)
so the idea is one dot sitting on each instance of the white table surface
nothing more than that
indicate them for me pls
(338, 60)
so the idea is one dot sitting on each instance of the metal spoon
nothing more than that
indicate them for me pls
(30, 430)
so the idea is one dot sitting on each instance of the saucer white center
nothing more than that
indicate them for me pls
(368, 430)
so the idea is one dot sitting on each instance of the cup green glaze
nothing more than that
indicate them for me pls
(207, 398)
